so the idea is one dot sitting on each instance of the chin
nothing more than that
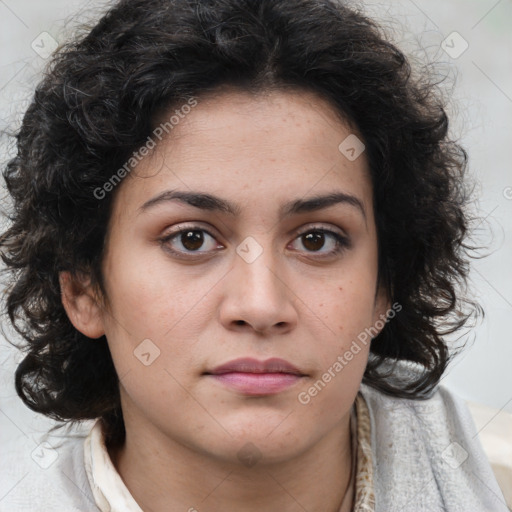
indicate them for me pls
(255, 442)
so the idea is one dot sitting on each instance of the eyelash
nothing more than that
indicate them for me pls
(342, 242)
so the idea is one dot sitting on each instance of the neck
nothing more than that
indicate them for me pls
(162, 474)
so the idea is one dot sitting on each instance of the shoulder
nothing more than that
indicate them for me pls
(427, 456)
(47, 474)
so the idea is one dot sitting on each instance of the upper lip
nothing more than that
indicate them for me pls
(250, 365)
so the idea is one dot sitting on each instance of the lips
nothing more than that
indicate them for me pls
(251, 377)
(249, 365)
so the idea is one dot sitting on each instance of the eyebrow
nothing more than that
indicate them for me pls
(213, 203)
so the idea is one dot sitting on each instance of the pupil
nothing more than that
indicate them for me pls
(192, 240)
(311, 238)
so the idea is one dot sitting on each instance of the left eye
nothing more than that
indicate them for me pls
(315, 239)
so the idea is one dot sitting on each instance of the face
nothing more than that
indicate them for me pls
(260, 273)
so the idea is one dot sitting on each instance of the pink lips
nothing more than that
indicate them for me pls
(257, 378)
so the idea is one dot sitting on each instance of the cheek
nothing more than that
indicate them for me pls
(353, 312)
(345, 309)
(342, 352)
(346, 306)
(147, 297)
(155, 312)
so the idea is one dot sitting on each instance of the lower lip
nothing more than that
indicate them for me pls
(255, 384)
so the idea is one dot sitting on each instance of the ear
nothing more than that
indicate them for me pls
(81, 304)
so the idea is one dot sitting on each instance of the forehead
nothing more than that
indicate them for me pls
(245, 146)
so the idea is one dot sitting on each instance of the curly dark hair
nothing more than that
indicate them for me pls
(97, 104)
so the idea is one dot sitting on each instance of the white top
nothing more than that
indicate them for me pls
(425, 453)
(108, 488)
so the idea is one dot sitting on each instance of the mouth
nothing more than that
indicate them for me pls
(256, 378)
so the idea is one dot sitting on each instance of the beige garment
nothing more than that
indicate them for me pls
(364, 492)
(112, 495)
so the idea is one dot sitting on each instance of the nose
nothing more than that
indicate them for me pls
(258, 297)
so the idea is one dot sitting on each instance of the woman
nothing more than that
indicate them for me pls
(238, 239)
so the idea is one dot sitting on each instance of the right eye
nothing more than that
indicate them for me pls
(189, 240)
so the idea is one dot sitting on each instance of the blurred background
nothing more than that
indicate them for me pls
(468, 41)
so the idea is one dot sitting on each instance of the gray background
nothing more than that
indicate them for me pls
(481, 110)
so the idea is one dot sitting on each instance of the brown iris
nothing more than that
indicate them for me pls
(311, 240)
(192, 240)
